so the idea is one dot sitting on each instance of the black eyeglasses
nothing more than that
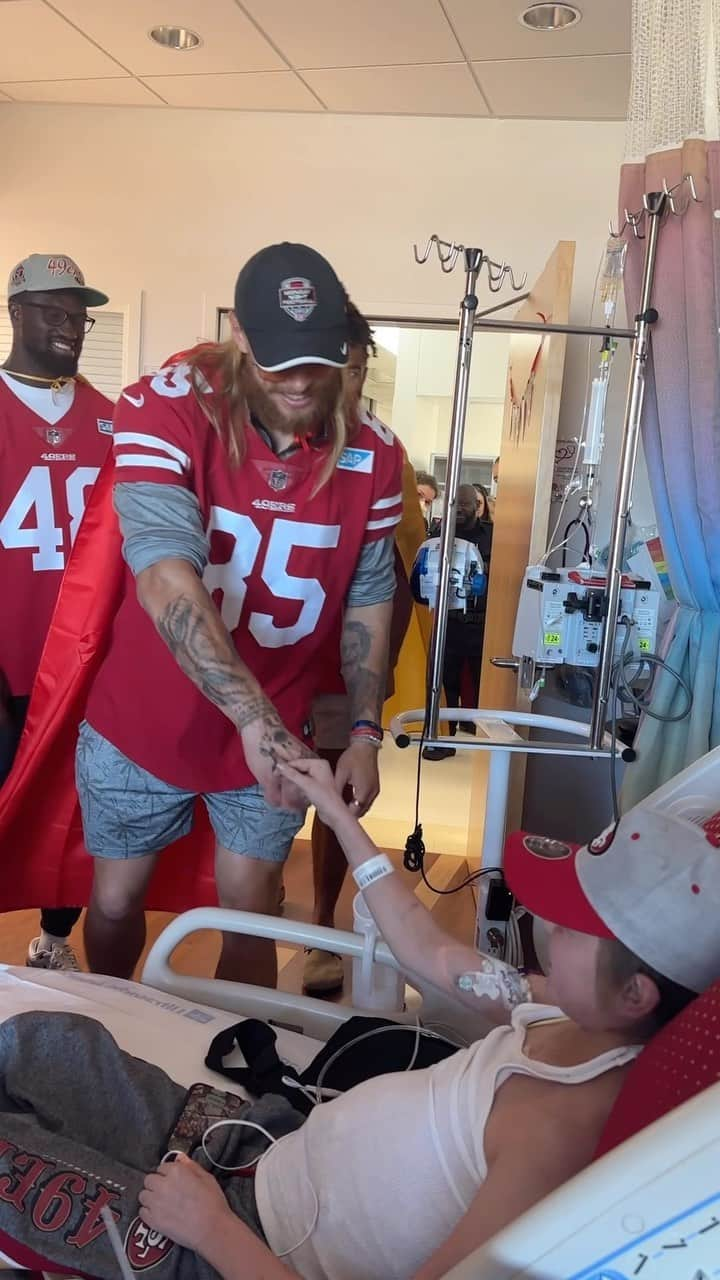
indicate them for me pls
(56, 317)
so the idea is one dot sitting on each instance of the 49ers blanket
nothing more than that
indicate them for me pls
(81, 1124)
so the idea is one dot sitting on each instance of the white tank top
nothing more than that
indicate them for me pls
(386, 1172)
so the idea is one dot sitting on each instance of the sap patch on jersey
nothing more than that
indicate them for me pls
(356, 460)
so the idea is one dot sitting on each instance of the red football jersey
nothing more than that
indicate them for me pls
(282, 557)
(46, 472)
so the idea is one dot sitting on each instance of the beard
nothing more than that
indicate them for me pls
(265, 405)
(55, 364)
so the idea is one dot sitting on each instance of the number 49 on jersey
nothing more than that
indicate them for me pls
(45, 514)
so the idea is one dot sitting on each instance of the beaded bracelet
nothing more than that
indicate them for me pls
(368, 724)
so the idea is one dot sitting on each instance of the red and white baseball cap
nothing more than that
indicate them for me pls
(652, 882)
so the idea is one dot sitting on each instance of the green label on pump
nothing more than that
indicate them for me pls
(552, 638)
(644, 644)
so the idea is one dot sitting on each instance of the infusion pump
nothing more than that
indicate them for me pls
(561, 613)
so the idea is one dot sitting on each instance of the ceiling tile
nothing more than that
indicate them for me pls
(35, 43)
(323, 33)
(122, 91)
(231, 42)
(253, 91)
(490, 29)
(560, 88)
(430, 90)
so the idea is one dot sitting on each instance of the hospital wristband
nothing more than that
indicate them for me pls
(374, 869)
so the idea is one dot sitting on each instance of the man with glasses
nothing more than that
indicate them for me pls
(55, 431)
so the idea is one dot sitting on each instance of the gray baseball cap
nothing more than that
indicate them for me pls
(652, 881)
(48, 272)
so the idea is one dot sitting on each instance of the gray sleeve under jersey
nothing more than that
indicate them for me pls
(164, 521)
(374, 578)
(160, 522)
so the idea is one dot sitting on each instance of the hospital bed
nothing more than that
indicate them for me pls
(650, 1208)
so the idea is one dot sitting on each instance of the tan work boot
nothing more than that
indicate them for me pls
(323, 972)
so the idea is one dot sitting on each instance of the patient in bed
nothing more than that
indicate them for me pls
(407, 1174)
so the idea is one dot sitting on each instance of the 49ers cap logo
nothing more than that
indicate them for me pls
(144, 1247)
(298, 297)
(65, 267)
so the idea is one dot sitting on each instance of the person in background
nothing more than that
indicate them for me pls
(494, 480)
(466, 631)
(427, 492)
(55, 432)
(323, 971)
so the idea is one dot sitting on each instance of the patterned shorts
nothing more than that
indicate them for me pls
(128, 812)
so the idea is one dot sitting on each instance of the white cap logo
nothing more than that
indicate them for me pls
(298, 297)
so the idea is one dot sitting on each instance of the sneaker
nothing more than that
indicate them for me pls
(323, 972)
(60, 956)
(438, 753)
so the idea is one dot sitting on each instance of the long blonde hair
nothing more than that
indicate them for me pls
(218, 367)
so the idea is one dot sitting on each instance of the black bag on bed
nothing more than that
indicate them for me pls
(373, 1055)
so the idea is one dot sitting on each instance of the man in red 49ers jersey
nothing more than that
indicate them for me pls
(253, 517)
(54, 435)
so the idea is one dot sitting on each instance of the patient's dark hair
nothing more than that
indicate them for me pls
(617, 964)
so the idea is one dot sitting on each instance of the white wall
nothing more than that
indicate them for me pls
(168, 204)
(172, 202)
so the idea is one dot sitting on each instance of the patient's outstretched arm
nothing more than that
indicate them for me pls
(423, 950)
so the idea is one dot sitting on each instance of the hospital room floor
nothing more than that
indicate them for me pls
(444, 814)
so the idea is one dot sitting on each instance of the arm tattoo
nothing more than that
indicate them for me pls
(207, 655)
(495, 980)
(278, 746)
(365, 686)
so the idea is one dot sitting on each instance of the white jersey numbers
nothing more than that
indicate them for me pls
(32, 521)
(173, 381)
(231, 577)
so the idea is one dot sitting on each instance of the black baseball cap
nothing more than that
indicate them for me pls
(292, 308)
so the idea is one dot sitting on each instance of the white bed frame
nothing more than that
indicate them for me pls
(648, 1210)
(317, 1018)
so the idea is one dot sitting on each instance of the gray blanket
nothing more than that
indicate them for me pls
(81, 1124)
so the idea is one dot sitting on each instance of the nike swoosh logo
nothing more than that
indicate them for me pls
(138, 401)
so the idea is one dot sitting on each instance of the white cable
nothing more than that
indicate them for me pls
(377, 1031)
(239, 1168)
(309, 1090)
(116, 1244)
(241, 1124)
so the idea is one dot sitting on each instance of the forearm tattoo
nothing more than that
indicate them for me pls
(495, 980)
(207, 655)
(279, 746)
(364, 683)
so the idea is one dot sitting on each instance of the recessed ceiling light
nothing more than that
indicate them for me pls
(550, 17)
(178, 38)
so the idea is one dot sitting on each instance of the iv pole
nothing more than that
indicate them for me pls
(656, 205)
(468, 307)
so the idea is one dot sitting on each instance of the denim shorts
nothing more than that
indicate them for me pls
(128, 812)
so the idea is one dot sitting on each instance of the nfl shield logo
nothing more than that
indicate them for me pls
(298, 298)
(278, 480)
(53, 437)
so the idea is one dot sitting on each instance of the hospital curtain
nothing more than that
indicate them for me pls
(672, 132)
